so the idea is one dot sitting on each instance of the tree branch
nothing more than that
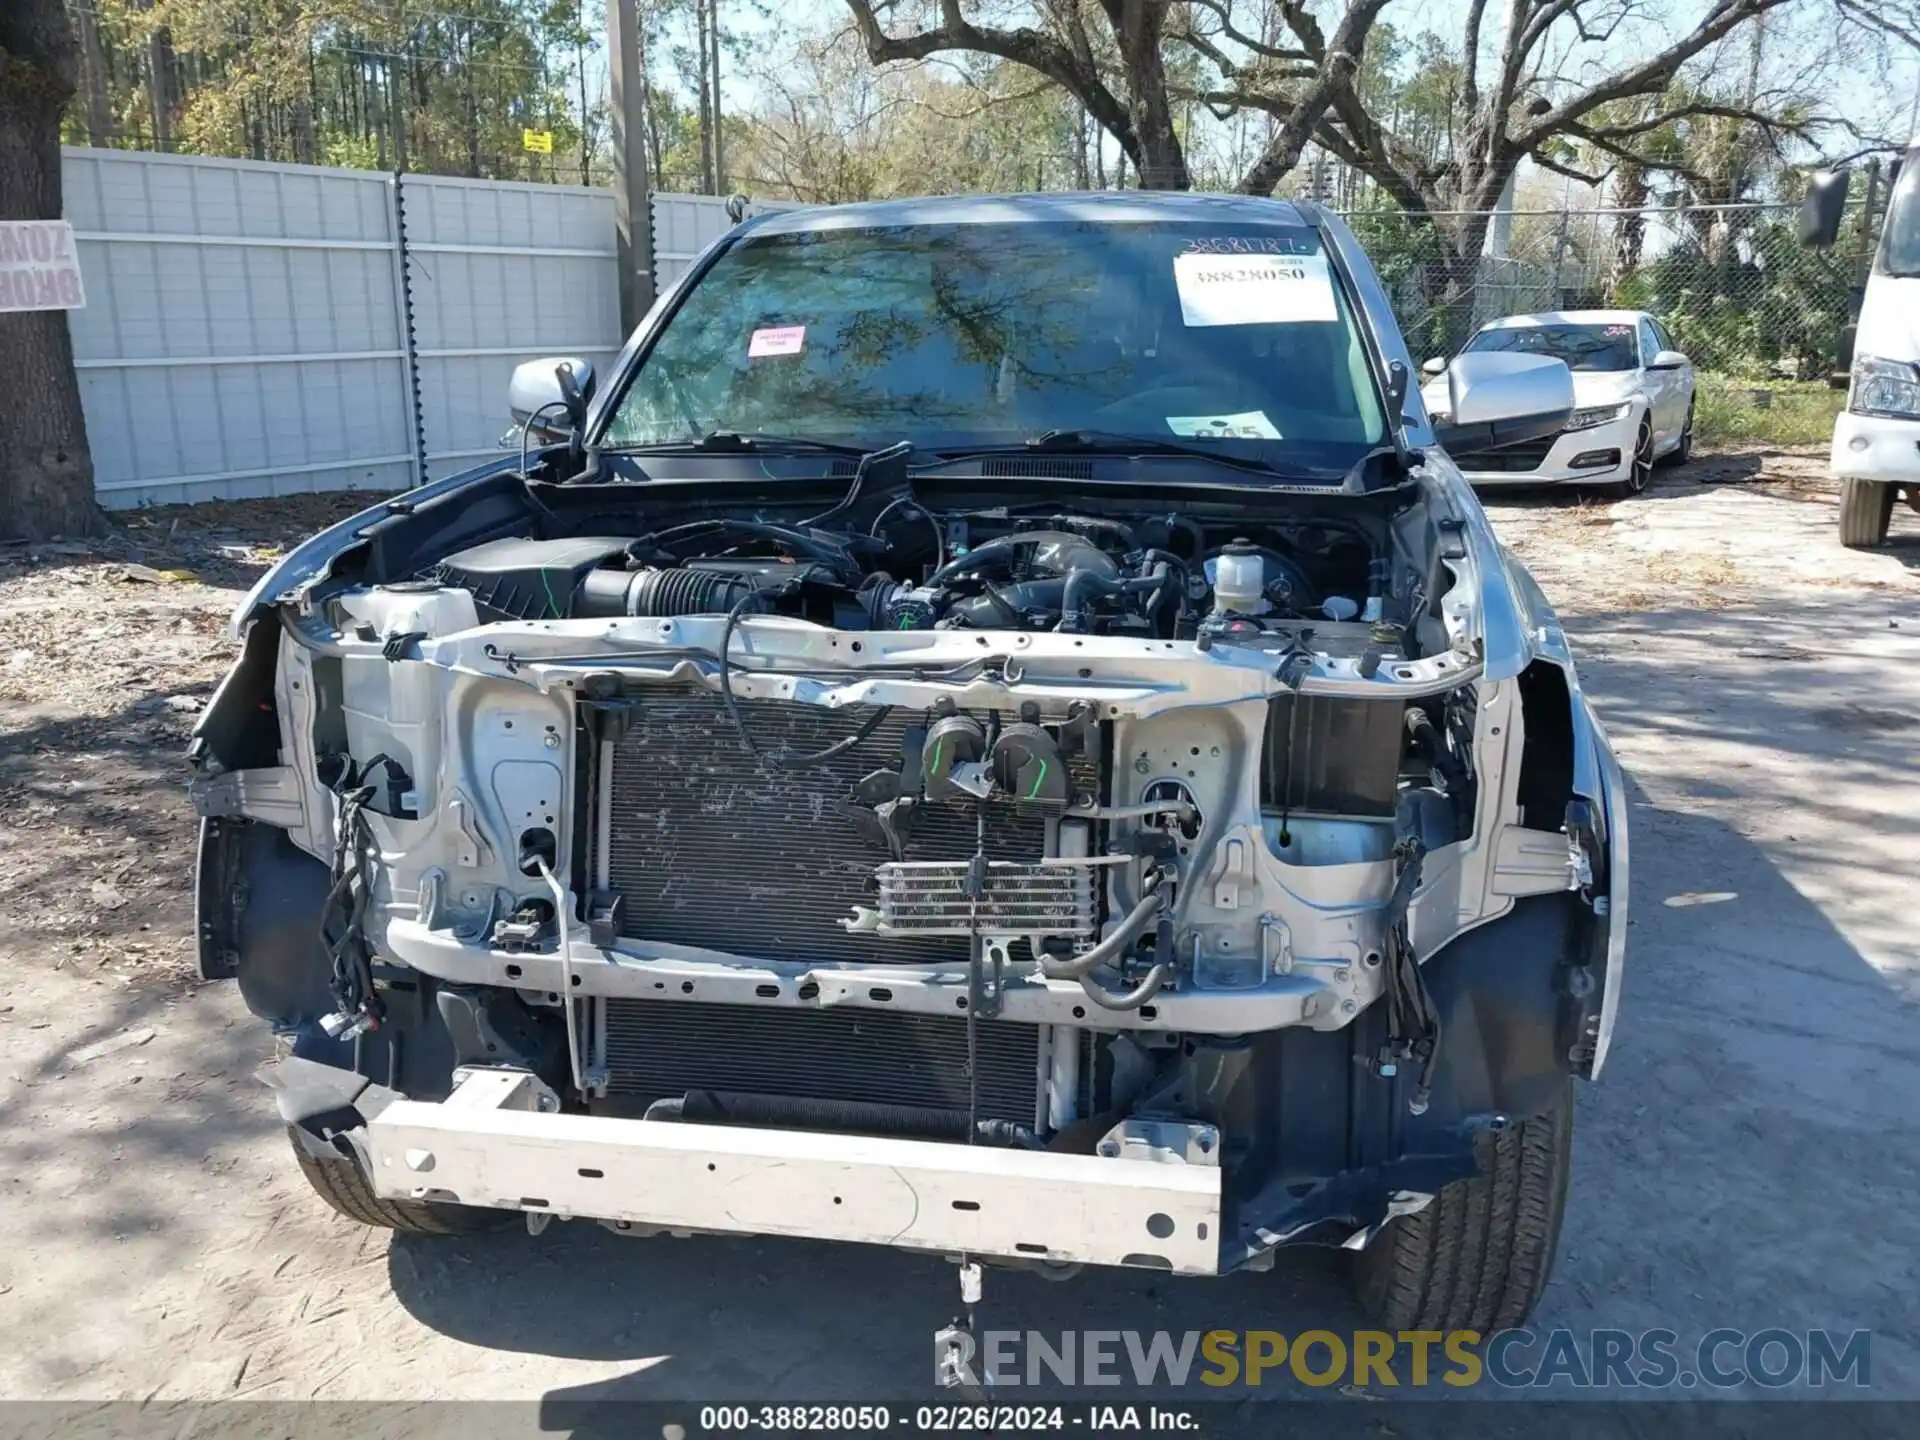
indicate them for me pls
(1772, 124)
(1240, 37)
(1337, 69)
(1648, 77)
(1571, 172)
(1470, 58)
(1023, 46)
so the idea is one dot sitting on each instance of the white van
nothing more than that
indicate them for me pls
(1876, 440)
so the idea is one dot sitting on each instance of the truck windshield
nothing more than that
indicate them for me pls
(954, 335)
(1583, 347)
(1900, 241)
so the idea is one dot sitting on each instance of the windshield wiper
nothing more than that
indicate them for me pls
(1115, 442)
(734, 442)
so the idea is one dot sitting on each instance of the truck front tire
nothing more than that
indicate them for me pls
(1866, 512)
(342, 1185)
(1478, 1256)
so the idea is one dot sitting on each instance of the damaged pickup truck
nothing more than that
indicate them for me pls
(993, 728)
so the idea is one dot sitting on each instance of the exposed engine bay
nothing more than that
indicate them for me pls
(1161, 576)
(944, 814)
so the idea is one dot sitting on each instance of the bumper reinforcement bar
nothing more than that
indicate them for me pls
(921, 1195)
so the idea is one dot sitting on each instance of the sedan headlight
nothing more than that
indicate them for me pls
(1885, 387)
(1597, 415)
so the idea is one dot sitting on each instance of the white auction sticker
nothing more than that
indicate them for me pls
(39, 266)
(1254, 289)
(1246, 425)
(779, 340)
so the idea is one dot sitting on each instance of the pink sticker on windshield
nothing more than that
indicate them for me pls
(782, 340)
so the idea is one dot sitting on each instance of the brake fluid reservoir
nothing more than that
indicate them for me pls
(1239, 579)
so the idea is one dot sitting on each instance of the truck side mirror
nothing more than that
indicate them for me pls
(1498, 397)
(552, 404)
(1822, 208)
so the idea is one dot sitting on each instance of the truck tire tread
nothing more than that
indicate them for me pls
(1866, 513)
(343, 1186)
(1477, 1258)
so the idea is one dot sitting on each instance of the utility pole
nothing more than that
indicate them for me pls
(719, 156)
(703, 96)
(632, 192)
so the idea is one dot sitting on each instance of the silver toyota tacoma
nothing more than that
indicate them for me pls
(994, 728)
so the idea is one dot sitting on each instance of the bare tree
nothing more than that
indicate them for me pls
(46, 471)
(1534, 92)
(1114, 58)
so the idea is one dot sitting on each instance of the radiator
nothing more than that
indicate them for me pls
(711, 846)
(657, 1049)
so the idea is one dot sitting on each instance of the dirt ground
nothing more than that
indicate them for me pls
(1749, 1160)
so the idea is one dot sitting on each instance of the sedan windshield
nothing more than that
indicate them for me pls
(1238, 336)
(1583, 347)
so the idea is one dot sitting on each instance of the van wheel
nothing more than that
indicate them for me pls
(342, 1185)
(1478, 1256)
(1866, 513)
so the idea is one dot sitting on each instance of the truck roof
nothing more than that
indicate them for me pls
(1097, 207)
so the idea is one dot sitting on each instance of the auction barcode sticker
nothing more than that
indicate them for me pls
(1254, 289)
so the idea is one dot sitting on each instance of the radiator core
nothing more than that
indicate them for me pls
(709, 845)
(658, 1049)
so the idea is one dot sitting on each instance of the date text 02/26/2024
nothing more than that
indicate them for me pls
(959, 1418)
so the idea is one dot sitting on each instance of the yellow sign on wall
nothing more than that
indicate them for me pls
(538, 141)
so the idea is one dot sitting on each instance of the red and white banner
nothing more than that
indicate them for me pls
(39, 267)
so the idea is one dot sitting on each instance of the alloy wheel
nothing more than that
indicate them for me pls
(1641, 475)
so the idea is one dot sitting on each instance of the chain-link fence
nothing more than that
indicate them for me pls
(1739, 292)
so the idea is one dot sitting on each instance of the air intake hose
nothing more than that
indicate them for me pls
(658, 593)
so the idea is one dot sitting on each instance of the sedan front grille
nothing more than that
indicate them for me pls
(1527, 455)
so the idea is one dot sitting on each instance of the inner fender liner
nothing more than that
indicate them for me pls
(257, 901)
(239, 728)
(257, 907)
(1317, 1145)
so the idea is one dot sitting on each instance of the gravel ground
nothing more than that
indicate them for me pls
(1749, 1160)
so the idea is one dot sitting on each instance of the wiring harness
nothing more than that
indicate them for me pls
(349, 894)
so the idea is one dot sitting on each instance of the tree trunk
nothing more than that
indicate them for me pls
(1454, 280)
(100, 125)
(305, 143)
(160, 85)
(1630, 191)
(704, 99)
(1161, 162)
(46, 470)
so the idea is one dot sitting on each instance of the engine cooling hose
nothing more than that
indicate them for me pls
(1110, 949)
(1134, 998)
(1422, 733)
(1082, 584)
(732, 1107)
